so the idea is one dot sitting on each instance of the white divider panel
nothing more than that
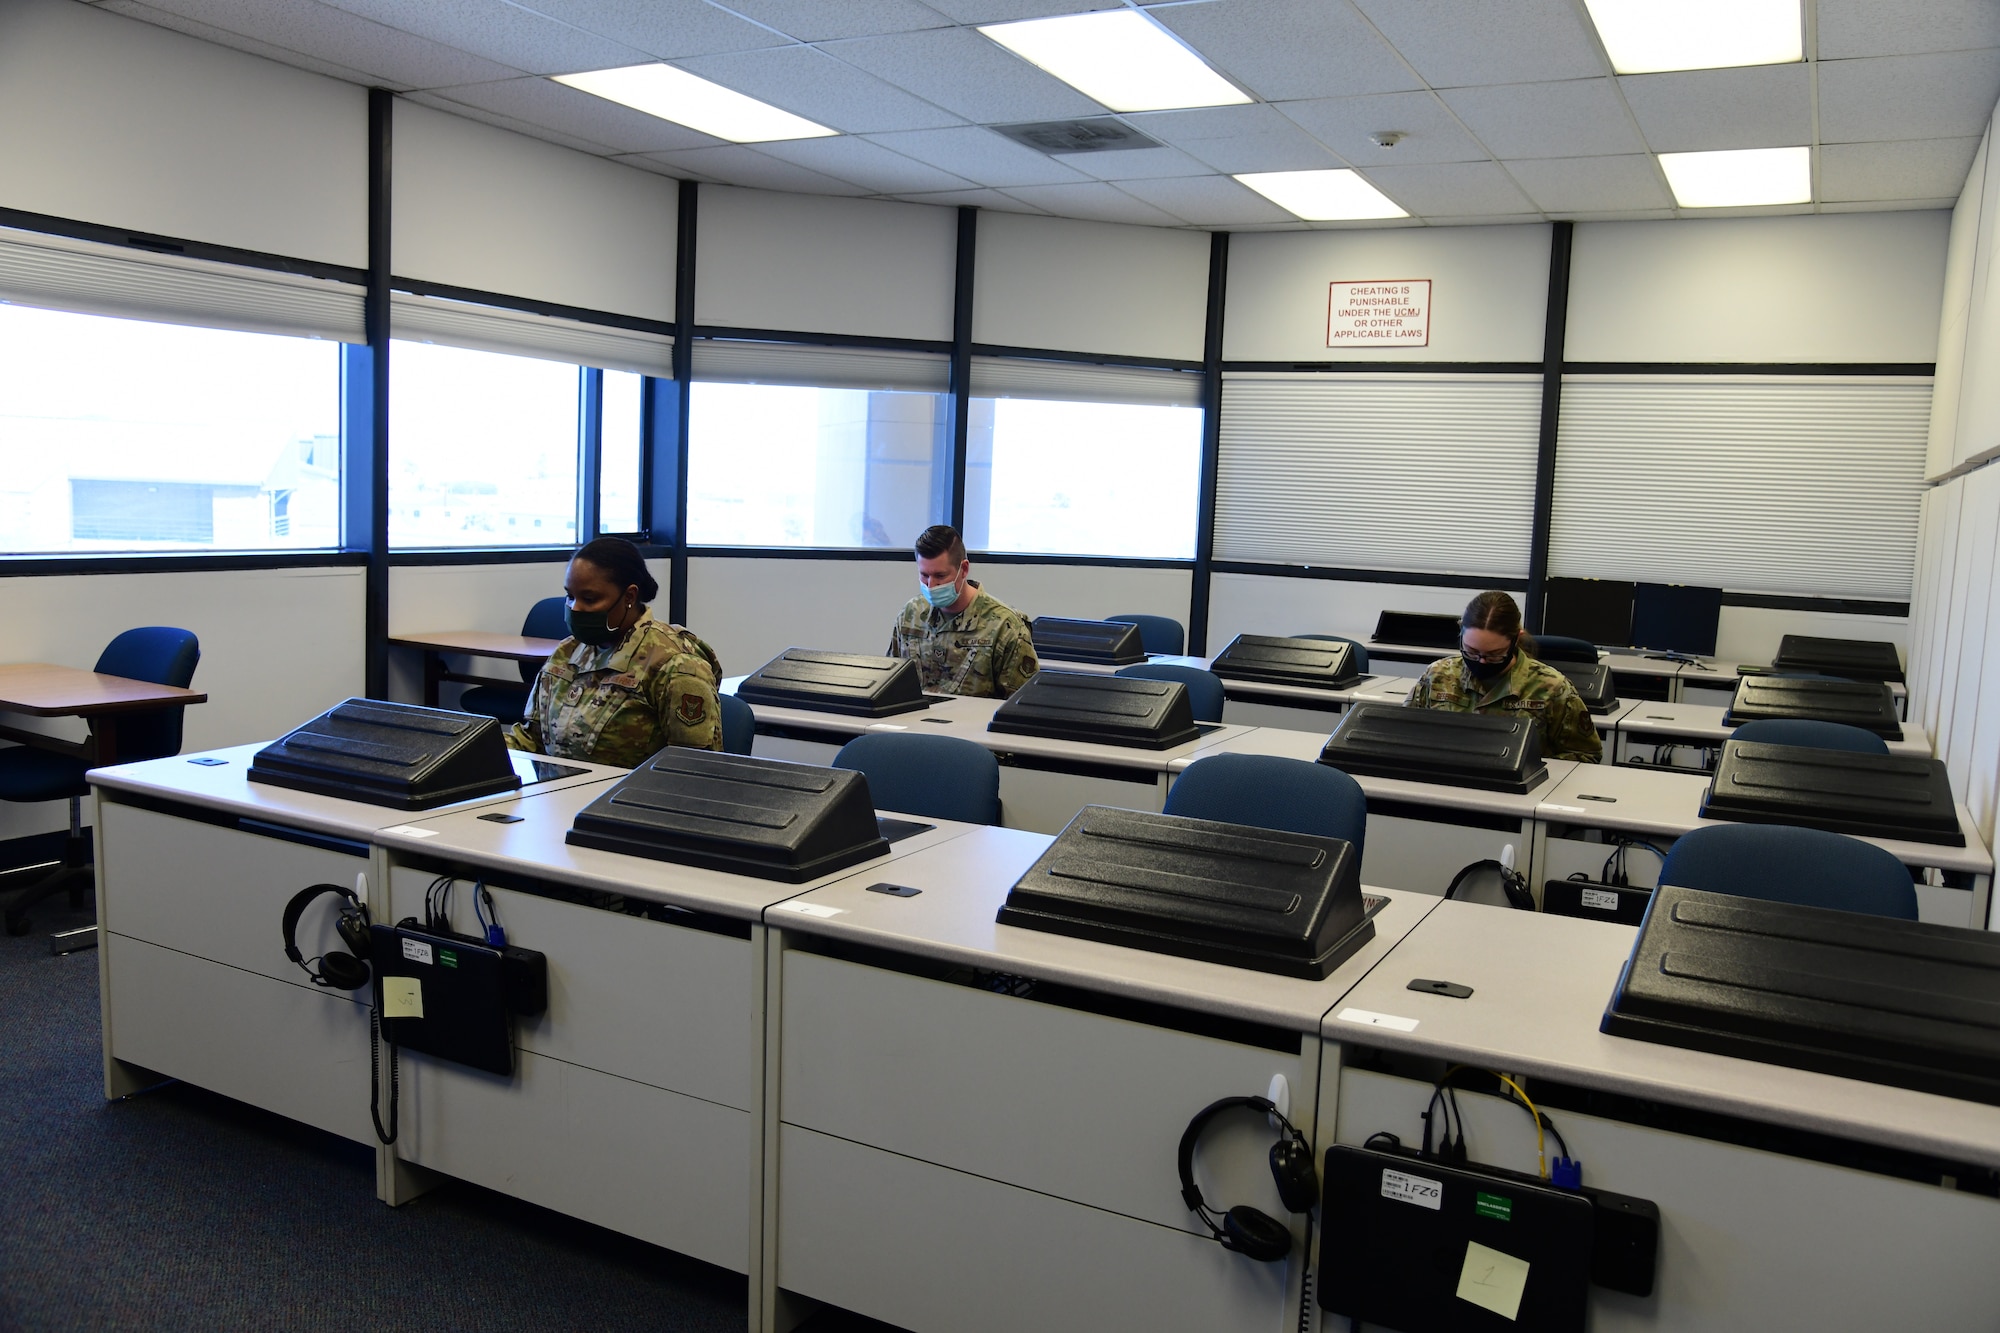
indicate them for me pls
(1977, 423)
(1425, 473)
(1757, 484)
(1961, 267)
(519, 333)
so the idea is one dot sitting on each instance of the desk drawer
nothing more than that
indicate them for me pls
(1070, 1103)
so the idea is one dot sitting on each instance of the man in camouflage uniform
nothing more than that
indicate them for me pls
(623, 703)
(1525, 688)
(963, 640)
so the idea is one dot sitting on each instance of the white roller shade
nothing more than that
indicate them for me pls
(1072, 382)
(1756, 484)
(57, 273)
(812, 366)
(488, 328)
(1433, 474)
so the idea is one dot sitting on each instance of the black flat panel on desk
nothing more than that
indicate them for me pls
(1898, 1002)
(1104, 710)
(1490, 753)
(1278, 902)
(760, 817)
(1105, 642)
(1857, 703)
(396, 755)
(1319, 663)
(1873, 795)
(1594, 610)
(1856, 659)
(1593, 684)
(1417, 629)
(836, 683)
(1671, 618)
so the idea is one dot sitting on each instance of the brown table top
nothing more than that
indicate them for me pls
(45, 690)
(479, 643)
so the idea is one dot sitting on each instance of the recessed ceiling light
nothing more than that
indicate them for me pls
(1740, 177)
(1119, 57)
(1647, 36)
(1323, 196)
(686, 99)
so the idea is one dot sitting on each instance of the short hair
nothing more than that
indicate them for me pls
(941, 539)
(621, 560)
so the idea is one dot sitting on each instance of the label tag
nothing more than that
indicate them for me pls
(411, 830)
(1492, 1280)
(1603, 900)
(402, 997)
(887, 726)
(1566, 809)
(1496, 1206)
(447, 958)
(1375, 1020)
(809, 909)
(417, 951)
(1413, 1189)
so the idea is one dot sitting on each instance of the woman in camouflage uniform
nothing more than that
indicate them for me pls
(1493, 672)
(622, 686)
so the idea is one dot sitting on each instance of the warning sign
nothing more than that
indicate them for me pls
(1387, 313)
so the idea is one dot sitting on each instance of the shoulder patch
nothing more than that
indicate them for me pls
(691, 709)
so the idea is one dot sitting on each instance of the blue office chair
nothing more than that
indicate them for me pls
(157, 654)
(1204, 687)
(1159, 635)
(1265, 791)
(938, 777)
(1782, 864)
(1811, 735)
(1360, 649)
(508, 702)
(1562, 648)
(739, 725)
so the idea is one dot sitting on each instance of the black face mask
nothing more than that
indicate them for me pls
(1486, 670)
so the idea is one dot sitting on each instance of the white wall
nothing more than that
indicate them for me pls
(1268, 604)
(1960, 271)
(455, 597)
(1090, 287)
(1969, 336)
(114, 121)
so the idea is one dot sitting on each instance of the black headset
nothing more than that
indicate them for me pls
(1512, 883)
(339, 971)
(1244, 1229)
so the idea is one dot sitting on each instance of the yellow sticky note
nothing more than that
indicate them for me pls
(1492, 1280)
(402, 997)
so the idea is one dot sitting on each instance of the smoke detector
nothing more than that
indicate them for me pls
(1387, 138)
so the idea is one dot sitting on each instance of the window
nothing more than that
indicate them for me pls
(483, 448)
(126, 435)
(620, 451)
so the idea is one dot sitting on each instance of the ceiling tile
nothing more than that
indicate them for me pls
(499, 31)
(1571, 185)
(963, 72)
(806, 81)
(1451, 189)
(1766, 106)
(1095, 201)
(333, 38)
(1293, 151)
(739, 164)
(499, 121)
(1285, 50)
(1907, 97)
(1849, 28)
(818, 21)
(1128, 164)
(850, 159)
(665, 29)
(1576, 118)
(1209, 122)
(1431, 133)
(1889, 205)
(565, 110)
(1006, 11)
(642, 163)
(1207, 201)
(161, 18)
(979, 155)
(1926, 169)
(1453, 43)
(993, 199)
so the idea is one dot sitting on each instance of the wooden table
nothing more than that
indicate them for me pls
(40, 689)
(434, 644)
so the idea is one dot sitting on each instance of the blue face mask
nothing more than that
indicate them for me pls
(941, 596)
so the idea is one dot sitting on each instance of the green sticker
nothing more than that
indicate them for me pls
(450, 959)
(1493, 1206)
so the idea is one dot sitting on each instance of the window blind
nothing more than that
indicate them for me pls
(1077, 382)
(812, 366)
(1805, 485)
(518, 333)
(58, 273)
(1432, 474)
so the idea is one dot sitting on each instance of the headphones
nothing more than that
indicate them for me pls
(1244, 1229)
(339, 971)
(1512, 883)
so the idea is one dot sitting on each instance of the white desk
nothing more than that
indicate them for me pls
(953, 1156)
(1753, 1238)
(1697, 732)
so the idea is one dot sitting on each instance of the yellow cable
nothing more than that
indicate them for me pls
(1541, 1151)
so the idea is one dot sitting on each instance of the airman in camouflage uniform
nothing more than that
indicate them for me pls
(984, 650)
(1527, 688)
(624, 703)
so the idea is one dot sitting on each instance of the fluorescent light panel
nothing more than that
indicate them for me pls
(1323, 196)
(1739, 178)
(687, 99)
(1119, 57)
(1648, 36)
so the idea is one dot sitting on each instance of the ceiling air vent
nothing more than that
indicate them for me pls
(1100, 134)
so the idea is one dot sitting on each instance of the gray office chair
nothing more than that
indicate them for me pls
(506, 702)
(1162, 636)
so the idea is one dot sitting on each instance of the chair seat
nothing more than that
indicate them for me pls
(29, 775)
(504, 702)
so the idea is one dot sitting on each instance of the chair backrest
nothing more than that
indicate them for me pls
(739, 725)
(164, 656)
(1265, 791)
(1782, 864)
(544, 621)
(1204, 687)
(1562, 648)
(1157, 634)
(1810, 734)
(1360, 652)
(938, 777)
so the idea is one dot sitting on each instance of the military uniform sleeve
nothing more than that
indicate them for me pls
(527, 733)
(1420, 693)
(1570, 733)
(1014, 659)
(688, 708)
